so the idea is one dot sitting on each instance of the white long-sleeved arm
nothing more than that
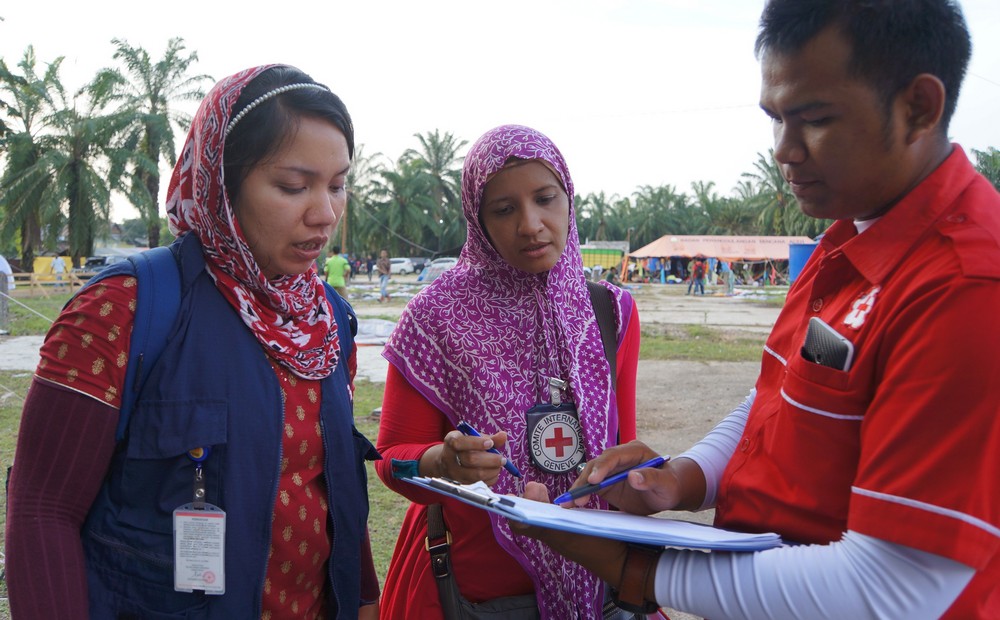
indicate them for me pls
(714, 450)
(857, 577)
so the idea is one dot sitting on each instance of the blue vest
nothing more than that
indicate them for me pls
(213, 386)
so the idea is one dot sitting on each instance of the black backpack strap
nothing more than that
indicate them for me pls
(600, 300)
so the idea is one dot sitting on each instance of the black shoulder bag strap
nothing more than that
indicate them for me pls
(438, 543)
(600, 299)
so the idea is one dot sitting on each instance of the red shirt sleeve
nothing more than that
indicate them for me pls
(86, 349)
(406, 436)
(627, 361)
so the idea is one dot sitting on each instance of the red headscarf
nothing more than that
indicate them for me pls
(290, 315)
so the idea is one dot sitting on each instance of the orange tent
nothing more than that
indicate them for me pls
(720, 246)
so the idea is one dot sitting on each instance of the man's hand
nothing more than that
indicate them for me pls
(677, 485)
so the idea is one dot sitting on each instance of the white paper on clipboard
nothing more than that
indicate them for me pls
(602, 523)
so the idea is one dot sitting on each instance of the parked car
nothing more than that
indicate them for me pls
(401, 266)
(96, 263)
(419, 262)
(93, 264)
(436, 267)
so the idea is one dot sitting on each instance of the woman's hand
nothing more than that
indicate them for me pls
(602, 556)
(465, 459)
(678, 484)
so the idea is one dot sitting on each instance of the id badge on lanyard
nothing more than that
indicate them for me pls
(554, 433)
(199, 539)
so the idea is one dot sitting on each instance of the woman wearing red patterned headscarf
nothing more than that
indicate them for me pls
(507, 341)
(237, 488)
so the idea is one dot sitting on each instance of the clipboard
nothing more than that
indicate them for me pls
(648, 530)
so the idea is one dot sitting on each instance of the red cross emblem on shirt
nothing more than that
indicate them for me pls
(860, 308)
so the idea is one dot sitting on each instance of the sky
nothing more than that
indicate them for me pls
(634, 92)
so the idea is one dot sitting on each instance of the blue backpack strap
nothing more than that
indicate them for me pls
(158, 300)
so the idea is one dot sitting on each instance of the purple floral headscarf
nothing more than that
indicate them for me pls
(481, 341)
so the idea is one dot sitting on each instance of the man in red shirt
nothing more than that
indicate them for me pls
(879, 454)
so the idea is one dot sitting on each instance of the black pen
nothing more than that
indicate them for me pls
(593, 488)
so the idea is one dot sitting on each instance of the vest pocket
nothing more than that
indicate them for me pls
(163, 429)
(124, 585)
(155, 474)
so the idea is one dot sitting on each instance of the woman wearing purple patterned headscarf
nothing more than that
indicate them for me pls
(485, 343)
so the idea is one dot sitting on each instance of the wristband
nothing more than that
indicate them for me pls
(639, 567)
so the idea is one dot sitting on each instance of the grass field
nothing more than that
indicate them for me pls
(685, 342)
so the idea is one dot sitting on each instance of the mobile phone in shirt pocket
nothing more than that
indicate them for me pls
(826, 346)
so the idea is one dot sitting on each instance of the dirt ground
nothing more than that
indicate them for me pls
(678, 402)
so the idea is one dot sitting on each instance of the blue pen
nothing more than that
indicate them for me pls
(593, 488)
(468, 430)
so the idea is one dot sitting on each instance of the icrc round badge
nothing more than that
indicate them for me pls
(554, 435)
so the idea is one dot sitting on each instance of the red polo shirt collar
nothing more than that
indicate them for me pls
(880, 249)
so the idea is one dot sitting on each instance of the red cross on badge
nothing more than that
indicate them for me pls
(559, 442)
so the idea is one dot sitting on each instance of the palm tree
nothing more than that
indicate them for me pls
(706, 205)
(735, 215)
(358, 220)
(404, 207)
(73, 168)
(149, 89)
(28, 100)
(658, 211)
(592, 215)
(772, 196)
(438, 158)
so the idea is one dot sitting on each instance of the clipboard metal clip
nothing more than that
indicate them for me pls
(486, 498)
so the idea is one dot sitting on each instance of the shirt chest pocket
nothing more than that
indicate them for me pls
(811, 389)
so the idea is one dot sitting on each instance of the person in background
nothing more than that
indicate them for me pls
(696, 271)
(250, 401)
(612, 277)
(7, 274)
(337, 269)
(370, 266)
(507, 341)
(880, 467)
(58, 268)
(384, 267)
(6, 286)
(728, 277)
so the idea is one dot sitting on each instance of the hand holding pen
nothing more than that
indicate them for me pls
(589, 489)
(466, 429)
